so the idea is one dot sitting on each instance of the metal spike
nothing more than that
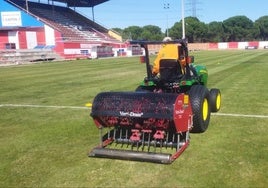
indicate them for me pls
(167, 139)
(178, 142)
(108, 133)
(161, 144)
(114, 133)
(127, 138)
(154, 145)
(101, 141)
(149, 140)
(173, 138)
(120, 137)
(142, 141)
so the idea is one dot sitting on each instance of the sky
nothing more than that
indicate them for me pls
(164, 13)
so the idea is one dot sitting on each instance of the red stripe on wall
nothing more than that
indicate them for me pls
(213, 45)
(233, 45)
(40, 35)
(253, 43)
(3, 39)
(59, 46)
(71, 45)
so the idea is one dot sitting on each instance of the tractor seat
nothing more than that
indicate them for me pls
(170, 70)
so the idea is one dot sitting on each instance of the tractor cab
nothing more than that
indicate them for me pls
(173, 70)
(170, 70)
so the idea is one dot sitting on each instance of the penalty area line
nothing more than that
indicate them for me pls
(240, 115)
(89, 108)
(43, 106)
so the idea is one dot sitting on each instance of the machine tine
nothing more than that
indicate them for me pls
(149, 140)
(161, 144)
(154, 145)
(132, 145)
(114, 133)
(101, 140)
(178, 142)
(120, 137)
(114, 136)
(167, 139)
(127, 138)
(173, 138)
(187, 136)
(142, 142)
(108, 133)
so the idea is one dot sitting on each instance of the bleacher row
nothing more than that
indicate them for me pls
(11, 57)
(72, 25)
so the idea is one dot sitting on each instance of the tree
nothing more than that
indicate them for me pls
(262, 24)
(132, 33)
(151, 32)
(215, 32)
(195, 30)
(238, 28)
(118, 30)
(176, 30)
(256, 34)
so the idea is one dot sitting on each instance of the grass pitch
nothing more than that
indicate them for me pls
(47, 147)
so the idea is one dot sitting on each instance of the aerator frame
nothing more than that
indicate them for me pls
(151, 131)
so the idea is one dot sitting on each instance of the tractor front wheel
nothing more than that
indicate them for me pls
(200, 101)
(215, 100)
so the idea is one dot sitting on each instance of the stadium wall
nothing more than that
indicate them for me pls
(22, 38)
(36, 37)
(229, 45)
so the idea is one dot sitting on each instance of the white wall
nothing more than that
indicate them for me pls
(49, 35)
(13, 38)
(31, 39)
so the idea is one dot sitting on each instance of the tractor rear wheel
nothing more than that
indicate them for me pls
(200, 101)
(215, 100)
(140, 89)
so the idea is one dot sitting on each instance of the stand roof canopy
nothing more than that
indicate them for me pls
(81, 3)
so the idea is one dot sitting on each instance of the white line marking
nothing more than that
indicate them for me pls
(88, 108)
(42, 106)
(241, 115)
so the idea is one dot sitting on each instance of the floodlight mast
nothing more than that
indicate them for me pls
(182, 15)
(27, 8)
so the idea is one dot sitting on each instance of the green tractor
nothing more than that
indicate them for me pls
(174, 71)
(153, 123)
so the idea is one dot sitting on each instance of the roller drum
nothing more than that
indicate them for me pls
(140, 110)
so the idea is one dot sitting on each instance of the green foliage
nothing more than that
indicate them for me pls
(152, 33)
(215, 32)
(262, 23)
(47, 147)
(195, 30)
(148, 32)
(176, 30)
(237, 28)
(132, 33)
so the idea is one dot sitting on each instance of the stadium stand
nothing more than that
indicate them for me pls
(72, 25)
(23, 56)
(60, 25)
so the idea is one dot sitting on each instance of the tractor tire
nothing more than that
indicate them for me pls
(215, 100)
(140, 89)
(200, 101)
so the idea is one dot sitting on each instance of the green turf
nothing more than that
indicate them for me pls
(47, 147)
